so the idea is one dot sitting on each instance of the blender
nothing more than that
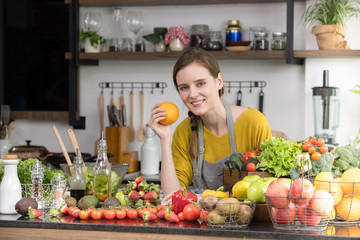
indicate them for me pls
(326, 106)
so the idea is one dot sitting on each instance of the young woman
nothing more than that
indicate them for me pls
(214, 130)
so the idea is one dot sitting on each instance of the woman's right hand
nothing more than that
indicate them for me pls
(158, 114)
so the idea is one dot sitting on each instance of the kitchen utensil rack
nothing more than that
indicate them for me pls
(134, 85)
(244, 84)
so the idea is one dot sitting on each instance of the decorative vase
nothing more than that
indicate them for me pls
(160, 46)
(176, 45)
(330, 37)
(91, 48)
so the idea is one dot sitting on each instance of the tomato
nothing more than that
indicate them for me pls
(131, 214)
(251, 167)
(140, 211)
(324, 149)
(96, 215)
(154, 210)
(84, 214)
(120, 214)
(252, 154)
(109, 214)
(316, 156)
(306, 146)
(245, 157)
(181, 216)
(320, 141)
(204, 214)
(311, 149)
(191, 212)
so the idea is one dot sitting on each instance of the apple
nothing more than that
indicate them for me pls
(322, 202)
(306, 216)
(284, 215)
(277, 193)
(301, 191)
(256, 190)
(251, 178)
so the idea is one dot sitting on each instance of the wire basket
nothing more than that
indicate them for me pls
(346, 200)
(48, 194)
(228, 214)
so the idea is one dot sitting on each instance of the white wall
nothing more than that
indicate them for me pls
(288, 103)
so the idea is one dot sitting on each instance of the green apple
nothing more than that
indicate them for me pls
(251, 178)
(257, 189)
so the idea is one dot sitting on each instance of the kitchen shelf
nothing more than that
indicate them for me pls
(326, 53)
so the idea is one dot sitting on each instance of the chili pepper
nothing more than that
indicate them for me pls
(218, 193)
(181, 198)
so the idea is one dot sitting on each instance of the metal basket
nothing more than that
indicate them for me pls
(296, 216)
(229, 215)
(347, 205)
(48, 194)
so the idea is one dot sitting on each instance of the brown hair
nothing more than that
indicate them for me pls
(209, 62)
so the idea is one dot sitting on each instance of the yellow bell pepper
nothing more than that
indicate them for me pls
(218, 193)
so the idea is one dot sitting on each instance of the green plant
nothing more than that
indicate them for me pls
(329, 12)
(157, 36)
(94, 37)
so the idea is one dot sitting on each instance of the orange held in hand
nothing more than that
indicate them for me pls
(172, 113)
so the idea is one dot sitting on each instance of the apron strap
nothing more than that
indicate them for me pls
(230, 125)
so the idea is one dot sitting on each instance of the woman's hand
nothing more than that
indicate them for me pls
(167, 200)
(158, 114)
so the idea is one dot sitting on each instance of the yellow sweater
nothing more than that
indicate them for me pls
(251, 128)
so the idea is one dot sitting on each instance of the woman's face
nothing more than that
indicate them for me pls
(198, 89)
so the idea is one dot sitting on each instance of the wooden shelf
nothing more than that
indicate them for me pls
(40, 115)
(326, 53)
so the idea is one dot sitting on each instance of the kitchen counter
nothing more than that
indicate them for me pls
(17, 227)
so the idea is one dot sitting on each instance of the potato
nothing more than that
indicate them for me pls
(215, 218)
(208, 202)
(244, 214)
(228, 206)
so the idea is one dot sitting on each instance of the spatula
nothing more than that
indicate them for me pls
(132, 129)
(141, 132)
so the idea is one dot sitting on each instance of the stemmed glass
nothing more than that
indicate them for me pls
(135, 22)
(92, 21)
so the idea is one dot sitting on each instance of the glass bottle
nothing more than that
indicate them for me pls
(278, 41)
(117, 27)
(197, 34)
(261, 41)
(37, 177)
(102, 172)
(77, 182)
(58, 186)
(233, 33)
(10, 187)
(150, 155)
(212, 41)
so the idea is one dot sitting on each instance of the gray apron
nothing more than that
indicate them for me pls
(210, 175)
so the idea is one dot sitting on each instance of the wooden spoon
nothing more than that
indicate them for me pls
(62, 146)
(141, 132)
(132, 129)
(101, 105)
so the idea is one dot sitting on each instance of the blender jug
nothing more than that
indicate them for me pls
(326, 106)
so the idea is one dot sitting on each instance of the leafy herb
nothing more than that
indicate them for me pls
(94, 37)
(278, 156)
(157, 36)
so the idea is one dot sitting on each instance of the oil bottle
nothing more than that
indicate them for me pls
(77, 183)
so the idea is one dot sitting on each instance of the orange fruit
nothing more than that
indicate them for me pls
(332, 186)
(350, 182)
(348, 230)
(348, 209)
(172, 113)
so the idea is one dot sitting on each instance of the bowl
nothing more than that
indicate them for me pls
(239, 43)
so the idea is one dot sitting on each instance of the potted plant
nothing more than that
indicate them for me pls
(157, 38)
(332, 15)
(92, 40)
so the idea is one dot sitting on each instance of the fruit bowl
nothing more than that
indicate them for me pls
(228, 213)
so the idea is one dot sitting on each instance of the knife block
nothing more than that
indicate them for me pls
(118, 142)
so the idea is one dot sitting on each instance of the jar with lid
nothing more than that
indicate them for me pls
(261, 41)
(197, 34)
(212, 41)
(233, 33)
(278, 41)
(252, 31)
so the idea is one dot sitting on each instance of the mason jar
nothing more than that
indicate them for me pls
(261, 41)
(197, 34)
(212, 41)
(278, 41)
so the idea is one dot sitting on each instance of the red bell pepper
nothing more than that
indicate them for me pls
(181, 198)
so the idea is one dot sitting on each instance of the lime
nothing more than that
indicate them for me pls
(120, 195)
(240, 188)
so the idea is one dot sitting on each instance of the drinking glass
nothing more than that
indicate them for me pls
(135, 21)
(92, 21)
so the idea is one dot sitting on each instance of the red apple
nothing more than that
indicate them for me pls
(322, 202)
(306, 216)
(277, 193)
(284, 216)
(301, 191)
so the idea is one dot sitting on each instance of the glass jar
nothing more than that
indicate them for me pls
(278, 41)
(125, 45)
(261, 41)
(176, 45)
(212, 41)
(197, 34)
(252, 31)
(233, 33)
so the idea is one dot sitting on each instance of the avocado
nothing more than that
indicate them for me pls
(88, 201)
(70, 201)
(111, 202)
(23, 205)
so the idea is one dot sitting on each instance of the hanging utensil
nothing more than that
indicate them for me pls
(141, 134)
(101, 113)
(132, 129)
(74, 142)
(62, 146)
(121, 109)
(261, 100)
(5, 119)
(239, 97)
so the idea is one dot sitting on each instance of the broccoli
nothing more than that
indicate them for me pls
(345, 157)
(324, 164)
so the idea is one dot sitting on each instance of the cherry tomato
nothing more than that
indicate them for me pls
(120, 214)
(84, 214)
(181, 216)
(140, 211)
(311, 149)
(251, 167)
(320, 141)
(306, 146)
(191, 212)
(109, 214)
(96, 215)
(245, 157)
(324, 149)
(131, 214)
(252, 154)
(316, 156)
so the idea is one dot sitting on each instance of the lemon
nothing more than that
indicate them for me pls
(331, 215)
(322, 180)
(240, 188)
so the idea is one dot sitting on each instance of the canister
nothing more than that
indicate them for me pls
(197, 34)
(212, 41)
(233, 33)
(261, 41)
(278, 41)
